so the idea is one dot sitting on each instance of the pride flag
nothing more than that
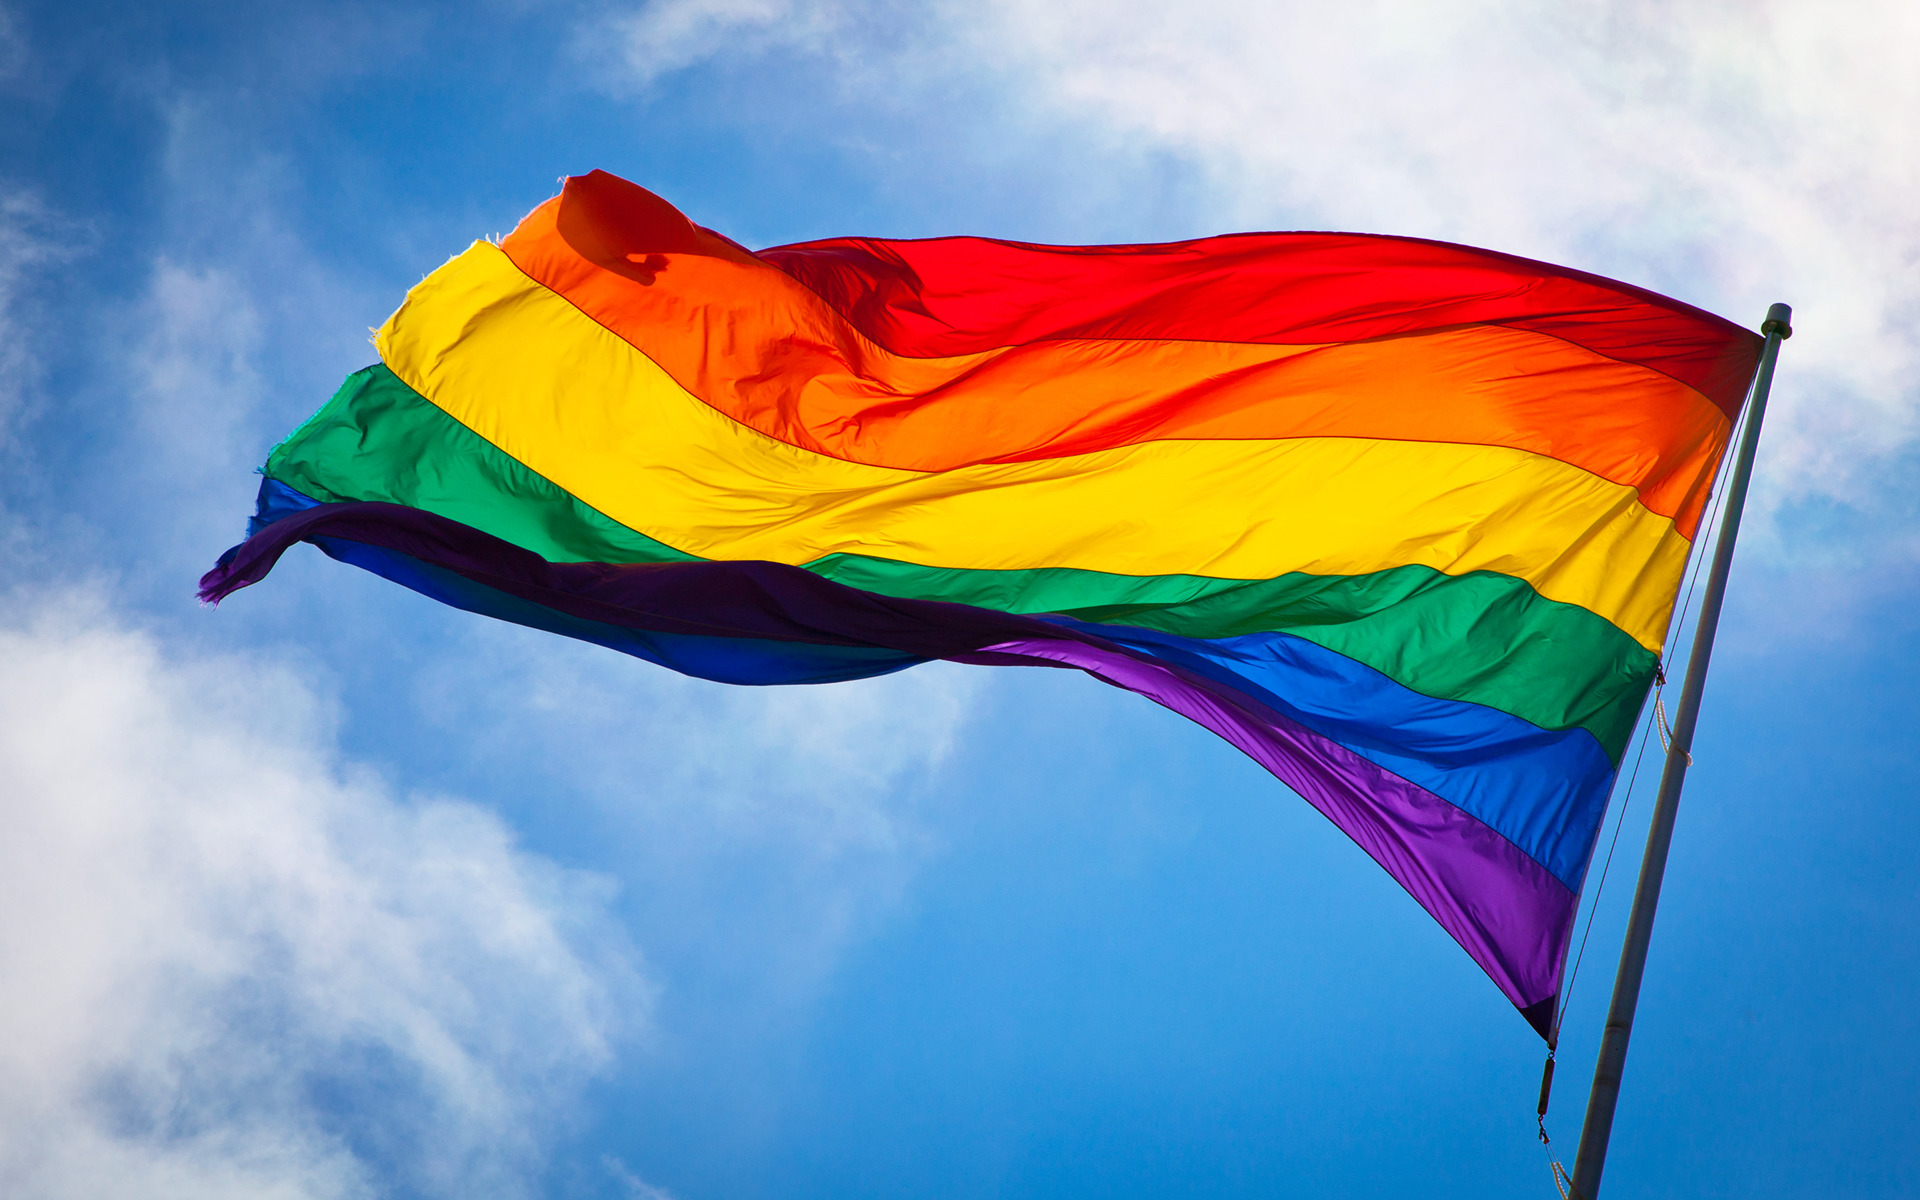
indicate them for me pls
(1404, 521)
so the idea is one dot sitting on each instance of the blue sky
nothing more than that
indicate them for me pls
(336, 893)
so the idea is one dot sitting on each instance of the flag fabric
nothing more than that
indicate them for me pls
(1402, 520)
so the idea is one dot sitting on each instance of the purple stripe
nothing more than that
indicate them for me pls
(1506, 910)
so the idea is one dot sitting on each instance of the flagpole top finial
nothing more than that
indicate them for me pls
(1779, 320)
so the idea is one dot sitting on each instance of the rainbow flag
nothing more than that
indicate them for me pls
(1402, 520)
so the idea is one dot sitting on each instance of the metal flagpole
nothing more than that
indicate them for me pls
(1592, 1156)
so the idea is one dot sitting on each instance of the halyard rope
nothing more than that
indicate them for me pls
(1563, 1183)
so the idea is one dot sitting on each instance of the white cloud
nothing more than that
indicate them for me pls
(635, 46)
(13, 45)
(196, 384)
(786, 815)
(234, 965)
(632, 1185)
(32, 238)
(241, 331)
(1729, 152)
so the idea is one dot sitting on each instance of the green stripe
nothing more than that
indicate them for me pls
(378, 439)
(1486, 638)
(1482, 638)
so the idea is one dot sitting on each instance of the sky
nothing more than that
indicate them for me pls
(332, 892)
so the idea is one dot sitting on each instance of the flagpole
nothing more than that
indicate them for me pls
(1592, 1155)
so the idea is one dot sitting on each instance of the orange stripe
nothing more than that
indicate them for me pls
(763, 349)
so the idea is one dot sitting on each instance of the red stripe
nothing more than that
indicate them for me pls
(761, 347)
(961, 295)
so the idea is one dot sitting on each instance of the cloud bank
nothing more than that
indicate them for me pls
(236, 965)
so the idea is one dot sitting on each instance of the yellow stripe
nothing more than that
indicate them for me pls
(533, 375)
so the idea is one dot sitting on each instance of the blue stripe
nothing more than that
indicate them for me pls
(276, 500)
(1543, 790)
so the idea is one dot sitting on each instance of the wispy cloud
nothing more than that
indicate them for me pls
(631, 1185)
(632, 46)
(786, 815)
(240, 331)
(32, 239)
(13, 44)
(237, 965)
